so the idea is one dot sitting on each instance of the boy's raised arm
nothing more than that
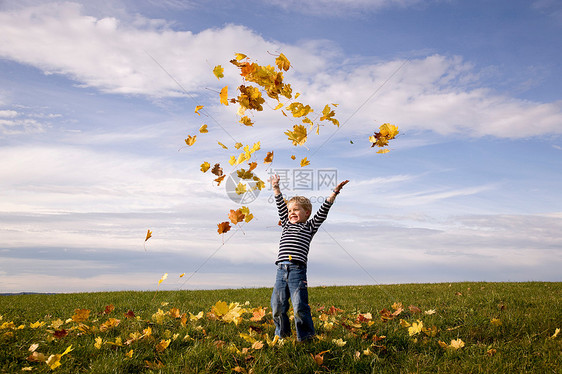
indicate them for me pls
(274, 180)
(336, 191)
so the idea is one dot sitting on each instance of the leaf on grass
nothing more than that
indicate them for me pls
(54, 360)
(339, 342)
(496, 322)
(161, 347)
(556, 332)
(108, 309)
(98, 342)
(319, 357)
(81, 315)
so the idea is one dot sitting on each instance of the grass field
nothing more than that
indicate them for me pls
(409, 328)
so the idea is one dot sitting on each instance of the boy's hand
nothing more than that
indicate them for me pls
(274, 180)
(340, 186)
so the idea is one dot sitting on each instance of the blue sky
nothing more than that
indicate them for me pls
(93, 122)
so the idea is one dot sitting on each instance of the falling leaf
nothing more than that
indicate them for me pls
(222, 145)
(220, 179)
(148, 235)
(268, 158)
(240, 188)
(238, 145)
(163, 278)
(304, 162)
(279, 106)
(205, 166)
(236, 216)
(298, 135)
(181, 275)
(293, 157)
(240, 56)
(218, 71)
(198, 108)
(246, 121)
(282, 62)
(224, 95)
(190, 140)
(223, 227)
(217, 170)
(203, 129)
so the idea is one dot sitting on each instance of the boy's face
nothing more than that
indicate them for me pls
(297, 214)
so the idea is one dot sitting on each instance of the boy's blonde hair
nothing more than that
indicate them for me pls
(302, 201)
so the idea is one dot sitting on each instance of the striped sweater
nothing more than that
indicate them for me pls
(296, 237)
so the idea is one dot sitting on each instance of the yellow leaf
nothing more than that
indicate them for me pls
(416, 328)
(299, 109)
(181, 275)
(37, 324)
(222, 145)
(240, 56)
(163, 278)
(282, 62)
(198, 108)
(388, 131)
(457, 344)
(556, 332)
(161, 347)
(496, 322)
(148, 235)
(240, 189)
(80, 315)
(339, 342)
(246, 121)
(224, 95)
(54, 360)
(205, 166)
(298, 135)
(98, 343)
(304, 162)
(238, 145)
(203, 129)
(190, 140)
(218, 71)
(279, 106)
(383, 151)
(129, 354)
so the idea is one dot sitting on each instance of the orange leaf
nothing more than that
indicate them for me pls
(190, 140)
(268, 158)
(223, 227)
(203, 129)
(109, 308)
(236, 216)
(224, 95)
(148, 235)
(304, 162)
(198, 108)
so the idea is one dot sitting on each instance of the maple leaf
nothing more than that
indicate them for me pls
(80, 315)
(198, 108)
(282, 62)
(250, 98)
(240, 56)
(299, 109)
(240, 189)
(238, 145)
(268, 158)
(304, 162)
(236, 216)
(54, 360)
(130, 314)
(109, 308)
(205, 166)
(129, 354)
(148, 235)
(218, 71)
(457, 344)
(258, 314)
(246, 121)
(222, 145)
(223, 227)
(98, 343)
(339, 342)
(217, 170)
(257, 345)
(247, 215)
(59, 334)
(328, 114)
(224, 95)
(298, 135)
(161, 347)
(556, 332)
(319, 357)
(37, 324)
(388, 131)
(190, 140)
(220, 179)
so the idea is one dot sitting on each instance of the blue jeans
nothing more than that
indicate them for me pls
(291, 283)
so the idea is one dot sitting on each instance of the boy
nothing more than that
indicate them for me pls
(291, 261)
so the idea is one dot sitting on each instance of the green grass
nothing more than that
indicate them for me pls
(529, 314)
